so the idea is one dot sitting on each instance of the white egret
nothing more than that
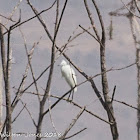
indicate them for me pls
(69, 75)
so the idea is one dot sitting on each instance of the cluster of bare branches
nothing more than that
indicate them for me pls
(98, 36)
(132, 13)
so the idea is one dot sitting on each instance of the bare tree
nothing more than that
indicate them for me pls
(57, 51)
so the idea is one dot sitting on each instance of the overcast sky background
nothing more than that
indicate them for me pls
(85, 54)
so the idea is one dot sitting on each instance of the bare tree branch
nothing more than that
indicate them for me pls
(32, 17)
(91, 20)
(50, 113)
(113, 93)
(21, 89)
(105, 87)
(3, 55)
(75, 104)
(12, 13)
(126, 104)
(91, 35)
(18, 114)
(116, 12)
(75, 134)
(2, 72)
(29, 56)
(72, 124)
(29, 113)
(7, 18)
(136, 3)
(7, 84)
(130, 11)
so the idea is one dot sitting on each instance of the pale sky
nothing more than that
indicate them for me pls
(85, 54)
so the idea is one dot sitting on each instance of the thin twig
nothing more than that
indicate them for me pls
(129, 10)
(91, 35)
(7, 18)
(100, 21)
(75, 133)
(4, 27)
(72, 123)
(28, 113)
(25, 21)
(29, 56)
(50, 113)
(21, 86)
(137, 5)
(113, 93)
(126, 104)
(91, 20)
(57, 15)
(12, 13)
(115, 13)
(18, 114)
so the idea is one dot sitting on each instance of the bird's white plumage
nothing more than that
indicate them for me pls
(69, 74)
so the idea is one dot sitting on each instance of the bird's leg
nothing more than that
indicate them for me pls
(72, 95)
(69, 96)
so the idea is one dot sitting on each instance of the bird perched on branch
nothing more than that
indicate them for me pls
(69, 75)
